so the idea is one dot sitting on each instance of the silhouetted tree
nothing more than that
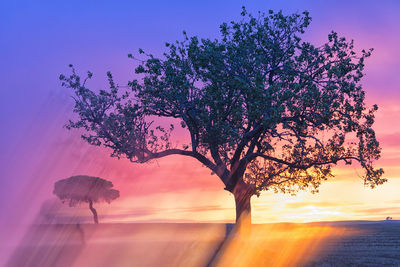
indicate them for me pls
(82, 188)
(263, 109)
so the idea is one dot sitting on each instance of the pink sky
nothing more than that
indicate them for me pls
(37, 151)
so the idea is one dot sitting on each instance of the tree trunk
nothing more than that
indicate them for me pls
(242, 194)
(96, 220)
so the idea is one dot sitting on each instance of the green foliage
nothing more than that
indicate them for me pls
(260, 104)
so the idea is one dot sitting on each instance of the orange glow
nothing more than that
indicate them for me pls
(279, 245)
(178, 245)
(162, 204)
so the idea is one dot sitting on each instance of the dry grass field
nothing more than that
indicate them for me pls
(360, 243)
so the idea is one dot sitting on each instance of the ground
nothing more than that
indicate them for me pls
(360, 243)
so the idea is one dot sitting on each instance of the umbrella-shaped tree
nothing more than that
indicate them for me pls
(82, 188)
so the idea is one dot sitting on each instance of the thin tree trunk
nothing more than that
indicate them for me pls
(95, 218)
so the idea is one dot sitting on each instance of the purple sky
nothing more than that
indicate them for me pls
(39, 40)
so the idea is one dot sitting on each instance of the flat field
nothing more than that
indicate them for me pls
(350, 243)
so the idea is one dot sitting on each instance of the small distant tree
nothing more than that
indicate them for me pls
(82, 188)
(263, 109)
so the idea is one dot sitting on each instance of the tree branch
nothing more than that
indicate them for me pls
(298, 165)
(219, 170)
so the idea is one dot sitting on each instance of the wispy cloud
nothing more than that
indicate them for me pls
(296, 205)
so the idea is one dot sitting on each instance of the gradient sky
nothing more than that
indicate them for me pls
(39, 40)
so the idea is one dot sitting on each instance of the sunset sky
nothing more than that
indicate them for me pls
(38, 41)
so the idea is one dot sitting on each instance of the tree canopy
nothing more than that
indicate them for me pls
(84, 188)
(264, 109)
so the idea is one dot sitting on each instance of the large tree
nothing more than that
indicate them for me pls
(263, 108)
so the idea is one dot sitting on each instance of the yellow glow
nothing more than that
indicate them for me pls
(278, 245)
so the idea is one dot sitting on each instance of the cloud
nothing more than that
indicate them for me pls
(151, 212)
(296, 205)
(392, 210)
(202, 208)
(137, 212)
(389, 140)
